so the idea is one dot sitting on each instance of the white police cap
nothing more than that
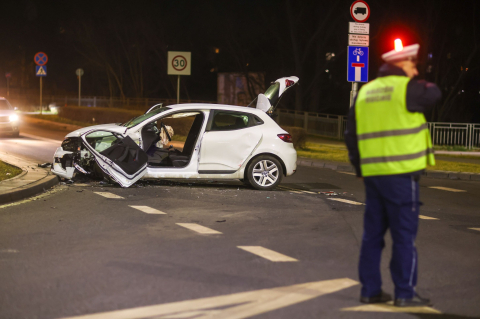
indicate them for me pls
(409, 52)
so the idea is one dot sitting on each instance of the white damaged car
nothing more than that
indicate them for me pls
(216, 142)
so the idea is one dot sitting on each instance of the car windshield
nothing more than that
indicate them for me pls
(4, 105)
(143, 117)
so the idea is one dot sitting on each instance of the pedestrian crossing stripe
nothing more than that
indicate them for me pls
(238, 305)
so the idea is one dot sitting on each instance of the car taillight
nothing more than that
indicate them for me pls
(286, 138)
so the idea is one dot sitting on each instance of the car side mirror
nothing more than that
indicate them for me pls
(15, 108)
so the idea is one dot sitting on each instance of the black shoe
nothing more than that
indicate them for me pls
(416, 301)
(381, 297)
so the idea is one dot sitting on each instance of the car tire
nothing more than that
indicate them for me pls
(264, 173)
(16, 134)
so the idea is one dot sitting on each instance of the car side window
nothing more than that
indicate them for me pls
(229, 121)
(101, 140)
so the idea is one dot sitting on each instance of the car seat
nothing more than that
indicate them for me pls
(181, 159)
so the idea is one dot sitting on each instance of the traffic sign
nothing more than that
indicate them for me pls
(8, 75)
(179, 63)
(358, 40)
(79, 72)
(41, 70)
(357, 66)
(360, 11)
(40, 58)
(359, 28)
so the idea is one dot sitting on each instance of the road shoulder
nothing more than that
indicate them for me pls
(33, 180)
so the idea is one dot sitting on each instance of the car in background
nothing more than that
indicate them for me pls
(220, 142)
(9, 119)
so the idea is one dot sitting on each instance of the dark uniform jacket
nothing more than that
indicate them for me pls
(421, 97)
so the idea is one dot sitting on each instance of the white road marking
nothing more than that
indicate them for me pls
(8, 251)
(267, 253)
(293, 190)
(199, 228)
(347, 173)
(426, 217)
(389, 307)
(148, 210)
(108, 195)
(234, 306)
(346, 201)
(448, 189)
(478, 229)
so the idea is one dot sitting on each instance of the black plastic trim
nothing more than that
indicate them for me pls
(216, 172)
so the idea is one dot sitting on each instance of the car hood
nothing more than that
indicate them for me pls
(7, 112)
(110, 127)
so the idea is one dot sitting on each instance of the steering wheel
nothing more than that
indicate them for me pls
(165, 130)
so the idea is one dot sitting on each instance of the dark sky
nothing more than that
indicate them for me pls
(279, 38)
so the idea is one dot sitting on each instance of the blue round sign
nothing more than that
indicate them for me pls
(41, 58)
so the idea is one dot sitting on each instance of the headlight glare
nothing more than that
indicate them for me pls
(13, 118)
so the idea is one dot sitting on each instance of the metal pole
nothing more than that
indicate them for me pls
(178, 89)
(41, 107)
(8, 87)
(353, 93)
(79, 90)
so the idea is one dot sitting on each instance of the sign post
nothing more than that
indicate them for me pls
(358, 42)
(41, 60)
(179, 63)
(8, 75)
(79, 73)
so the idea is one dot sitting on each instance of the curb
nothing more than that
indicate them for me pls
(344, 167)
(16, 189)
(29, 190)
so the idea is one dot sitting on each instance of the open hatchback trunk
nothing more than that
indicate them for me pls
(268, 101)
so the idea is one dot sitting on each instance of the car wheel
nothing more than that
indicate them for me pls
(16, 134)
(264, 173)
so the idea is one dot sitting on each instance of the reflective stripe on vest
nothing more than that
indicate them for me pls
(391, 140)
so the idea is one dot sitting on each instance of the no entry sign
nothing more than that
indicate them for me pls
(179, 63)
(40, 58)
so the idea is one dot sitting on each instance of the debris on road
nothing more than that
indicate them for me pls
(331, 193)
(45, 165)
(221, 221)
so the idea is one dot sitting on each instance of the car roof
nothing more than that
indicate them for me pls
(203, 106)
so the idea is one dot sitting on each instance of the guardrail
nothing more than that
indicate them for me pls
(444, 134)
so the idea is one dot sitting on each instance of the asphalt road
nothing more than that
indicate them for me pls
(289, 253)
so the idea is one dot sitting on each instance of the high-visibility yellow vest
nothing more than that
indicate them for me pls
(391, 140)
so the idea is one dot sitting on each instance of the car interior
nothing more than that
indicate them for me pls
(189, 124)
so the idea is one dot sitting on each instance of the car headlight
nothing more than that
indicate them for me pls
(13, 118)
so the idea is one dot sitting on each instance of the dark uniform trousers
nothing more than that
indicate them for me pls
(392, 203)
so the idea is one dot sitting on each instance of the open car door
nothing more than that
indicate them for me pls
(118, 156)
(268, 101)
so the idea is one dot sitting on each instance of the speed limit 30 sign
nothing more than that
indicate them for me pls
(179, 63)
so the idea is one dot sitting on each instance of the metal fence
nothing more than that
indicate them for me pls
(444, 134)
(314, 123)
(455, 134)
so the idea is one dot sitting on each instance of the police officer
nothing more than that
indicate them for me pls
(389, 145)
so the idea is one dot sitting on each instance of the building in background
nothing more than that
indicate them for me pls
(239, 88)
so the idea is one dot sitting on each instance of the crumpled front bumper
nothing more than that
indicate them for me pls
(63, 165)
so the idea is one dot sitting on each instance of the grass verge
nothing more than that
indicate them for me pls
(8, 171)
(339, 153)
(58, 119)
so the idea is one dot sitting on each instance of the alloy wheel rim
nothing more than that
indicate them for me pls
(265, 173)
